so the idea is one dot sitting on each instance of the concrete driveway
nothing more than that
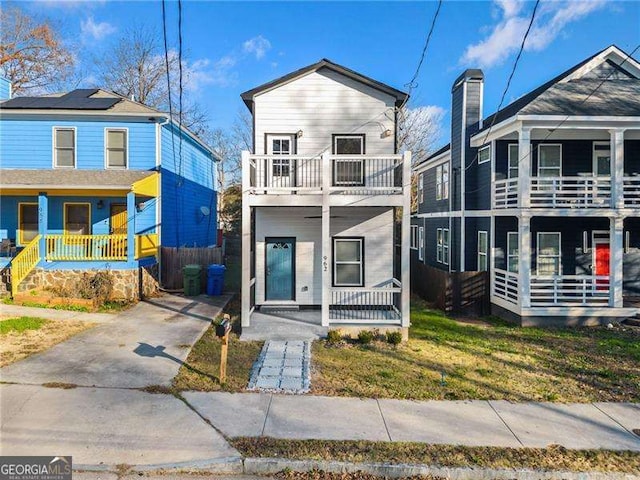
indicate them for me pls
(140, 347)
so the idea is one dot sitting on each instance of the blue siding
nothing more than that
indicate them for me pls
(5, 89)
(188, 183)
(36, 153)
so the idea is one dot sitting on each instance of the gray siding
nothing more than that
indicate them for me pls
(430, 238)
(631, 259)
(430, 203)
(457, 143)
(473, 226)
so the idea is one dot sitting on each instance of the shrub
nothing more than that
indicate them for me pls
(333, 336)
(365, 337)
(98, 287)
(394, 338)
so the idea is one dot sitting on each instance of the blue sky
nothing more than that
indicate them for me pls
(234, 46)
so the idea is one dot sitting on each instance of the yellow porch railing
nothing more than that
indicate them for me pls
(86, 247)
(24, 263)
(147, 245)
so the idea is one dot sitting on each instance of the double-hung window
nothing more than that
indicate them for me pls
(549, 253)
(514, 161)
(513, 249)
(484, 154)
(348, 262)
(116, 147)
(421, 243)
(549, 160)
(483, 248)
(421, 188)
(348, 171)
(414, 237)
(280, 145)
(64, 147)
(27, 222)
(439, 182)
(442, 181)
(442, 245)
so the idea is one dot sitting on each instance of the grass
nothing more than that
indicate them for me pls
(25, 336)
(201, 369)
(20, 324)
(446, 359)
(550, 458)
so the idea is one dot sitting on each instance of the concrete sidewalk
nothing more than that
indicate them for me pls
(473, 423)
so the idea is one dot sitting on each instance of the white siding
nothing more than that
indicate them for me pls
(323, 103)
(372, 223)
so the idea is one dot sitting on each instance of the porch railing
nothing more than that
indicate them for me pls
(86, 247)
(147, 245)
(366, 305)
(506, 193)
(505, 285)
(23, 263)
(631, 191)
(569, 290)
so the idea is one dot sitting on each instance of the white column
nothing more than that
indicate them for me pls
(327, 260)
(406, 238)
(246, 243)
(492, 254)
(524, 167)
(524, 261)
(493, 175)
(616, 246)
(617, 168)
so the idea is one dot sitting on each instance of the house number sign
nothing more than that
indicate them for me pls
(325, 264)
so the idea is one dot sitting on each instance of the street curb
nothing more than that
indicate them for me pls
(267, 466)
(224, 465)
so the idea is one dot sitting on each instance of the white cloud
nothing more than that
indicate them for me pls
(506, 36)
(257, 46)
(91, 30)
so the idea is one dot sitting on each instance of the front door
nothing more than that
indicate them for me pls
(602, 253)
(118, 220)
(280, 268)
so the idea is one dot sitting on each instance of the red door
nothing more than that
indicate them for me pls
(602, 264)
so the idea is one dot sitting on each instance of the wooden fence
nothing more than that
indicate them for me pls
(173, 259)
(454, 293)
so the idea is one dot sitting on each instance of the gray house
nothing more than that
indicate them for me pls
(543, 194)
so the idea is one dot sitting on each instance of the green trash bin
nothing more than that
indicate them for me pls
(191, 279)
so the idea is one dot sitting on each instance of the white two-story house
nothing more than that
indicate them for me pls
(326, 200)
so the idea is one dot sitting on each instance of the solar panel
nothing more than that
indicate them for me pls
(75, 100)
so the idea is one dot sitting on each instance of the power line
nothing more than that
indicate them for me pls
(412, 83)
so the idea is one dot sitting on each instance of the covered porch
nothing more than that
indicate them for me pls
(79, 218)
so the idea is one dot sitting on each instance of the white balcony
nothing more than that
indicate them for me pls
(631, 191)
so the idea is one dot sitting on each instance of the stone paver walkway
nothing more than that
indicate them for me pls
(283, 367)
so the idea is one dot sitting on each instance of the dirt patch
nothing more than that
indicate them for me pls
(18, 345)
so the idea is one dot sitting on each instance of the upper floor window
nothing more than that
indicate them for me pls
(549, 160)
(513, 256)
(280, 145)
(601, 159)
(116, 147)
(64, 147)
(513, 160)
(484, 154)
(421, 188)
(442, 181)
(348, 171)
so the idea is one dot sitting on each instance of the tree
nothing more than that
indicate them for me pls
(230, 215)
(32, 55)
(136, 67)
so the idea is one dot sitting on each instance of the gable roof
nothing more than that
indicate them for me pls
(249, 95)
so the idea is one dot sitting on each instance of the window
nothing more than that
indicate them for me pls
(602, 159)
(442, 245)
(77, 218)
(348, 171)
(27, 222)
(442, 181)
(64, 147)
(414, 237)
(549, 160)
(484, 154)
(421, 243)
(483, 248)
(280, 145)
(548, 253)
(421, 188)
(513, 160)
(348, 262)
(513, 256)
(116, 147)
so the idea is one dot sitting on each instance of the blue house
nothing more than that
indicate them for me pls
(90, 181)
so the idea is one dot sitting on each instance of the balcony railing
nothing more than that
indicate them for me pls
(505, 285)
(349, 174)
(569, 290)
(366, 305)
(631, 191)
(560, 192)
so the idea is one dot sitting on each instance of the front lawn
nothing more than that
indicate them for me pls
(24, 336)
(446, 359)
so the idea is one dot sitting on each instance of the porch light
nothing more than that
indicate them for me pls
(386, 133)
(299, 134)
(100, 205)
(140, 206)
